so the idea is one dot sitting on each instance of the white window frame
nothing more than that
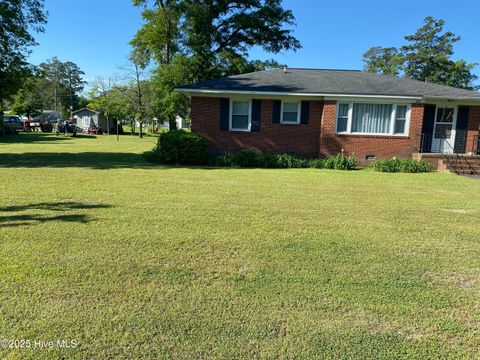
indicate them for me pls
(392, 119)
(249, 129)
(349, 117)
(299, 108)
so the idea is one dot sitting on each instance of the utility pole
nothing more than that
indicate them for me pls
(55, 94)
(1, 117)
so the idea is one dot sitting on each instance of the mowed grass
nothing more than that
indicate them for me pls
(134, 260)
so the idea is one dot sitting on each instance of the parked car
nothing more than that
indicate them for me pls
(13, 124)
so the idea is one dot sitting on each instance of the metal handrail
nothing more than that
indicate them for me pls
(452, 157)
(445, 154)
(429, 137)
(476, 145)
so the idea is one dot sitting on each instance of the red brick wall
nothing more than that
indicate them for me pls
(472, 128)
(273, 138)
(318, 138)
(363, 145)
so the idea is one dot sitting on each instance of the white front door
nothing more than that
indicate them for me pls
(444, 132)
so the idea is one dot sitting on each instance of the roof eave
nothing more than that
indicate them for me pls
(281, 93)
(457, 100)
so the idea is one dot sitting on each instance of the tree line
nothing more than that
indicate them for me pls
(427, 56)
(185, 41)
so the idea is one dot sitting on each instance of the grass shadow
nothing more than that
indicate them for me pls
(93, 160)
(15, 220)
(44, 138)
(30, 138)
(54, 206)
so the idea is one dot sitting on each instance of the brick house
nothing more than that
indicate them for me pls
(317, 113)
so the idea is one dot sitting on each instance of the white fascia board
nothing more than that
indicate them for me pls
(303, 95)
(443, 100)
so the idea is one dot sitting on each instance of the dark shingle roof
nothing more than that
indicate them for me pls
(332, 82)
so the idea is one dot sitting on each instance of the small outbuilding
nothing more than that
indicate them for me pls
(86, 118)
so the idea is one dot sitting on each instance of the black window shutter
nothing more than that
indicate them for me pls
(224, 114)
(305, 112)
(256, 115)
(461, 130)
(277, 108)
(427, 129)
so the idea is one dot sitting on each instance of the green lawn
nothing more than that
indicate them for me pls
(134, 260)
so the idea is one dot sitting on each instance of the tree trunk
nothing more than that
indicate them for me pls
(1, 117)
(132, 126)
(140, 133)
(172, 123)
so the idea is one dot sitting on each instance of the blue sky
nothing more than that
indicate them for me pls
(334, 34)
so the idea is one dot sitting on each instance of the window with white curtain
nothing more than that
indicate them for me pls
(372, 119)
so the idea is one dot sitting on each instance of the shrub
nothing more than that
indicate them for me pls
(184, 148)
(401, 165)
(316, 163)
(249, 158)
(225, 160)
(245, 158)
(266, 160)
(340, 162)
(287, 161)
(179, 147)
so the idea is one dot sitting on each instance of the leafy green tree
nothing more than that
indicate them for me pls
(168, 104)
(212, 28)
(159, 37)
(230, 63)
(82, 102)
(73, 82)
(28, 101)
(18, 19)
(195, 40)
(429, 56)
(426, 57)
(63, 82)
(429, 50)
(381, 60)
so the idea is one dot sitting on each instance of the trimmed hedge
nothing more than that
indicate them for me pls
(401, 165)
(180, 148)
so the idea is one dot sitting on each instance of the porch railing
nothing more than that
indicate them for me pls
(448, 152)
(425, 143)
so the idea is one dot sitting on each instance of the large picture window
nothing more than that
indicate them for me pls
(240, 119)
(372, 119)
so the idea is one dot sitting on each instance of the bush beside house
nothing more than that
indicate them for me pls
(184, 148)
(401, 165)
(179, 147)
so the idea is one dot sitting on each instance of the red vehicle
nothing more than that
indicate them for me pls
(95, 130)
